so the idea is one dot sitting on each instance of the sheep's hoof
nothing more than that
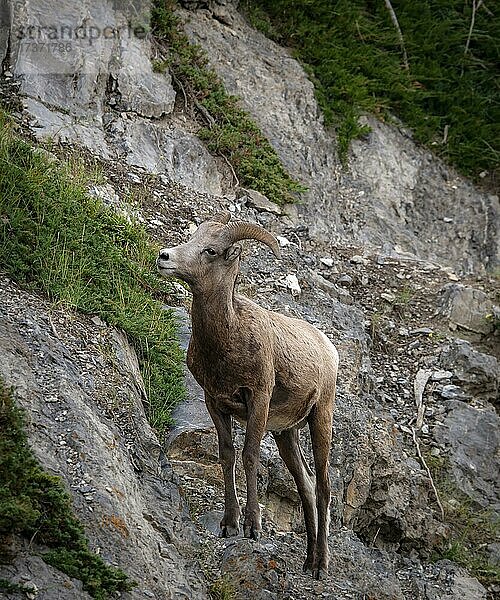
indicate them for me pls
(229, 531)
(252, 532)
(319, 573)
(308, 565)
(320, 568)
(230, 524)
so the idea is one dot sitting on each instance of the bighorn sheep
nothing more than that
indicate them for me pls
(268, 371)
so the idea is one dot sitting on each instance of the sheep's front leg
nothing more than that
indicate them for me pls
(257, 411)
(230, 524)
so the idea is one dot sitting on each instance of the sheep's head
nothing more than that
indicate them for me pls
(212, 254)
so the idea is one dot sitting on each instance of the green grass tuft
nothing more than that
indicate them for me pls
(35, 505)
(222, 589)
(11, 588)
(231, 132)
(57, 240)
(353, 54)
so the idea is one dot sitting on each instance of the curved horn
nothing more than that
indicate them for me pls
(223, 217)
(241, 230)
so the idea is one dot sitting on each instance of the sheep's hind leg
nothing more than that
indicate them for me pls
(230, 523)
(291, 453)
(320, 426)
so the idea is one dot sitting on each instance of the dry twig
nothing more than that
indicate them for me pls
(429, 474)
(475, 7)
(445, 134)
(421, 379)
(299, 243)
(488, 11)
(232, 170)
(179, 84)
(395, 22)
(53, 327)
(205, 113)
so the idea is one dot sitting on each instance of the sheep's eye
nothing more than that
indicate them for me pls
(210, 251)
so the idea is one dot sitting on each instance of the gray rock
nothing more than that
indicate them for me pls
(494, 550)
(463, 586)
(345, 280)
(472, 437)
(191, 415)
(280, 492)
(68, 89)
(478, 373)
(222, 13)
(48, 123)
(254, 571)
(451, 392)
(142, 91)
(187, 161)
(291, 215)
(327, 261)
(440, 375)
(356, 571)
(96, 409)
(28, 569)
(466, 307)
(447, 582)
(106, 193)
(71, 67)
(5, 25)
(387, 499)
(211, 521)
(421, 330)
(409, 192)
(329, 288)
(178, 154)
(258, 201)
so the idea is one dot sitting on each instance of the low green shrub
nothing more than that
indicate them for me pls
(57, 240)
(35, 505)
(228, 130)
(448, 97)
(472, 528)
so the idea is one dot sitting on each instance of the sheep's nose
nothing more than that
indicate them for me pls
(164, 255)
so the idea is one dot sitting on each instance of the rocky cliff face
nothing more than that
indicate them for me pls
(79, 382)
(86, 78)
(373, 249)
(395, 195)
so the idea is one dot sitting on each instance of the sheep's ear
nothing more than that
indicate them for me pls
(232, 252)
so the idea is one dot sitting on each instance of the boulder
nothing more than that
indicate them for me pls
(256, 571)
(92, 84)
(388, 499)
(471, 435)
(260, 202)
(476, 372)
(70, 56)
(467, 307)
